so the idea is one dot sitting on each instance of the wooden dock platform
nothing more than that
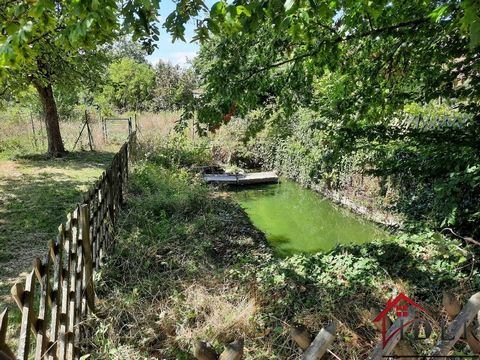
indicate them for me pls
(268, 177)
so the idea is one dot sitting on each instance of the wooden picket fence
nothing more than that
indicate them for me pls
(59, 292)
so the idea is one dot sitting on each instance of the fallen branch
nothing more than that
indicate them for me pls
(464, 238)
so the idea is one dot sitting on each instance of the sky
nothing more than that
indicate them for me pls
(179, 52)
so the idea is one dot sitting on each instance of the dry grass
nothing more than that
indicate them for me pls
(161, 124)
(189, 266)
(219, 314)
(20, 137)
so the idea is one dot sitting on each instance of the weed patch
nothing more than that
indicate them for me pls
(188, 265)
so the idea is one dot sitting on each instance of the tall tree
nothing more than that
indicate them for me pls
(32, 33)
(47, 41)
(130, 85)
(125, 47)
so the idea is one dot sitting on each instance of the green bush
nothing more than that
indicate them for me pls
(176, 151)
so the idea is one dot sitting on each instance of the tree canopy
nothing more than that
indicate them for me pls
(381, 54)
(129, 84)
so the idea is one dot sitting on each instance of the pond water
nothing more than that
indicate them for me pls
(298, 220)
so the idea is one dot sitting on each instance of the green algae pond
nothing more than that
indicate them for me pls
(299, 220)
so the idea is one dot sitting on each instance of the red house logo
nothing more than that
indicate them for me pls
(400, 304)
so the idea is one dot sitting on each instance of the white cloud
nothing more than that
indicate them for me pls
(180, 58)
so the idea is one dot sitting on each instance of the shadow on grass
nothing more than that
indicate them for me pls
(77, 160)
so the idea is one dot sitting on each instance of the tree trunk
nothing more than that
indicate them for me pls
(55, 142)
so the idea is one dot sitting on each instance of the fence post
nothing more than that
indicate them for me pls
(394, 332)
(64, 284)
(88, 258)
(42, 273)
(127, 152)
(458, 326)
(27, 312)
(321, 343)
(65, 276)
(120, 176)
(56, 252)
(3, 334)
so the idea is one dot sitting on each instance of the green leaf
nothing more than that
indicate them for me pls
(95, 4)
(218, 9)
(243, 10)
(436, 14)
(12, 28)
(475, 33)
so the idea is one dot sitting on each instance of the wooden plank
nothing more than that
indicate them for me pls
(321, 343)
(126, 160)
(42, 341)
(403, 348)
(56, 256)
(452, 307)
(26, 324)
(65, 236)
(72, 318)
(395, 331)
(109, 194)
(120, 175)
(92, 223)
(242, 179)
(3, 335)
(17, 294)
(79, 291)
(101, 245)
(457, 327)
(87, 252)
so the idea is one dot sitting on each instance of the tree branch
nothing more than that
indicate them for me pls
(337, 40)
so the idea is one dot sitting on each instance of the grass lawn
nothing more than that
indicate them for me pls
(37, 192)
(35, 195)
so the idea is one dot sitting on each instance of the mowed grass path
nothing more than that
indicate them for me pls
(35, 195)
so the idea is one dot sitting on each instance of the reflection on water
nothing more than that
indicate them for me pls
(298, 220)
